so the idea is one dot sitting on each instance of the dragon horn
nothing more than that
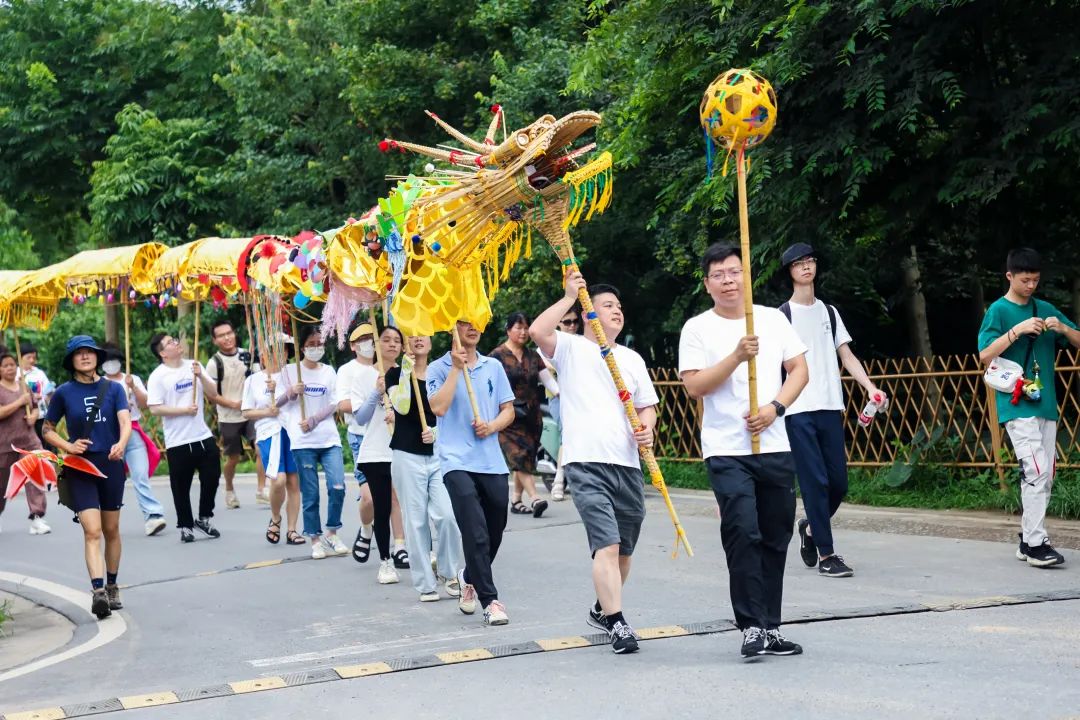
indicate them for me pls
(464, 158)
(457, 134)
(496, 112)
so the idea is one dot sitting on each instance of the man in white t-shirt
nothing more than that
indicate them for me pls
(228, 368)
(815, 422)
(755, 492)
(600, 449)
(175, 392)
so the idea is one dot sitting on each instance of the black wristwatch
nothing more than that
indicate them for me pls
(780, 409)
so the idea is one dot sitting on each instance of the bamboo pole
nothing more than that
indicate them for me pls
(18, 363)
(748, 287)
(419, 399)
(378, 350)
(195, 356)
(127, 340)
(468, 380)
(995, 436)
(252, 344)
(299, 375)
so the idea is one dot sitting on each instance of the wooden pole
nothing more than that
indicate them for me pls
(378, 350)
(419, 399)
(252, 343)
(195, 355)
(18, 363)
(299, 375)
(748, 287)
(468, 380)
(995, 436)
(127, 338)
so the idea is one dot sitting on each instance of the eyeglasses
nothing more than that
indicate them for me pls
(721, 275)
(804, 264)
(571, 321)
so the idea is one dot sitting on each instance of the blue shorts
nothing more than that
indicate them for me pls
(354, 445)
(276, 454)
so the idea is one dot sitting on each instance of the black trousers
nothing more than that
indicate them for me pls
(382, 489)
(480, 501)
(756, 494)
(184, 461)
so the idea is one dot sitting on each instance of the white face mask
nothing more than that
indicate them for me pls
(314, 354)
(366, 348)
(111, 367)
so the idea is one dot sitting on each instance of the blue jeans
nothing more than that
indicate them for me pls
(138, 466)
(817, 444)
(307, 462)
(354, 445)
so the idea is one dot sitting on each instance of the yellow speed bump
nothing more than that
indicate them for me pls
(661, 632)
(249, 686)
(262, 564)
(53, 713)
(355, 671)
(137, 701)
(464, 656)
(565, 643)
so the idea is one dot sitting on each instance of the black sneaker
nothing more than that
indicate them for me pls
(834, 566)
(186, 535)
(205, 525)
(598, 619)
(1022, 551)
(623, 639)
(777, 644)
(99, 604)
(753, 643)
(807, 548)
(401, 559)
(113, 593)
(1044, 555)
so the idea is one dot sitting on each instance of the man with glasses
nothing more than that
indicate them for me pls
(815, 422)
(755, 491)
(174, 392)
(228, 368)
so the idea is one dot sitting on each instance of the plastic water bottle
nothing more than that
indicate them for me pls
(876, 402)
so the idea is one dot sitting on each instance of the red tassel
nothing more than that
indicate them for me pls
(479, 161)
(267, 250)
(384, 145)
(496, 109)
(454, 155)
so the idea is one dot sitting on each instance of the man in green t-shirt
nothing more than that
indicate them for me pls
(1028, 331)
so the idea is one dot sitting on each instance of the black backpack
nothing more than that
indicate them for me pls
(786, 309)
(221, 366)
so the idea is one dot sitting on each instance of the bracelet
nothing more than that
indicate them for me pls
(1010, 334)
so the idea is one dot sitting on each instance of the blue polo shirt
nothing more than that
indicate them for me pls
(456, 443)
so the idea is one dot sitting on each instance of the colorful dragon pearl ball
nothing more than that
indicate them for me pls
(739, 108)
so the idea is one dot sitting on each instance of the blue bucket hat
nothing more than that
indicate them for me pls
(79, 342)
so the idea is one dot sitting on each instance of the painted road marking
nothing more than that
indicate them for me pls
(346, 672)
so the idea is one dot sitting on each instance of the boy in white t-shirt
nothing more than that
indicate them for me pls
(600, 449)
(174, 392)
(815, 422)
(755, 492)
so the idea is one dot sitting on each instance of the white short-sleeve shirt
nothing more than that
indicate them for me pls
(824, 391)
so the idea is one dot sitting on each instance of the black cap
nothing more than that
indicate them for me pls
(26, 347)
(795, 252)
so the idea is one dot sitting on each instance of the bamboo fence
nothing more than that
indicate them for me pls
(944, 392)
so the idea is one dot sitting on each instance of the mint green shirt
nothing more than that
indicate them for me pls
(1000, 317)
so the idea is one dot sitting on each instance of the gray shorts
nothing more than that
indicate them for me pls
(611, 502)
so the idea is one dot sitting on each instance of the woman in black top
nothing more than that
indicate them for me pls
(417, 478)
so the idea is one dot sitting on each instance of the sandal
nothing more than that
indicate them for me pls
(519, 508)
(273, 531)
(538, 507)
(361, 549)
(295, 538)
(401, 559)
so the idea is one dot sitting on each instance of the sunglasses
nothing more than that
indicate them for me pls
(572, 321)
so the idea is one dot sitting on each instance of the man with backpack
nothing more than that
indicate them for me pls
(1021, 329)
(815, 421)
(228, 368)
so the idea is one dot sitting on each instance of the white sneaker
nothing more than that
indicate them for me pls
(429, 597)
(230, 500)
(38, 526)
(557, 493)
(434, 563)
(155, 525)
(467, 600)
(387, 574)
(495, 614)
(263, 497)
(318, 550)
(336, 546)
(452, 587)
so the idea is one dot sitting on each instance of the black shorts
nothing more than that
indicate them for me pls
(89, 492)
(233, 435)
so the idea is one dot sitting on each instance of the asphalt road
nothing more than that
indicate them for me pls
(905, 637)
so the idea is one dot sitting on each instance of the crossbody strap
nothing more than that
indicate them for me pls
(93, 410)
(1030, 339)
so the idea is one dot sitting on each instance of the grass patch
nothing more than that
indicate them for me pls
(932, 488)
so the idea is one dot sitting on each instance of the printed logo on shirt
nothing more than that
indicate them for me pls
(491, 388)
(314, 390)
(184, 386)
(88, 402)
